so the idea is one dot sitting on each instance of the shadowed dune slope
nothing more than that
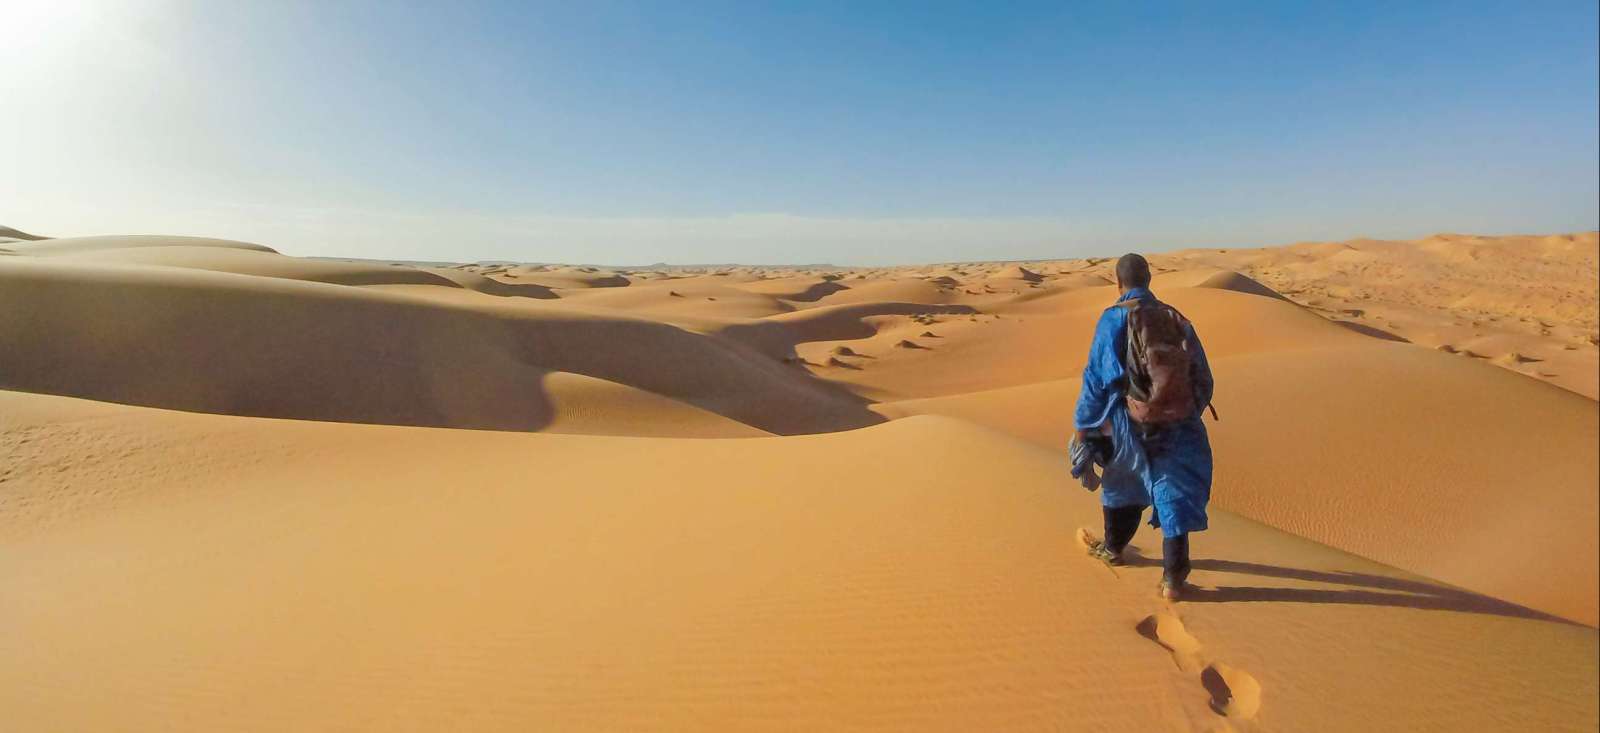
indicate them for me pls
(227, 343)
(9, 233)
(895, 290)
(1219, 279)
(779, 334)
(800, 289)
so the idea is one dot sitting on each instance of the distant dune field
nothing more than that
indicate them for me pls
(242, 490)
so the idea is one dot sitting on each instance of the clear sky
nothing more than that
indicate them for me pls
(847, 132)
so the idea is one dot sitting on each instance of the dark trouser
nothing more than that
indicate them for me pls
(1123, 522)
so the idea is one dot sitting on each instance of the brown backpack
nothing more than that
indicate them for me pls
(1157, 363)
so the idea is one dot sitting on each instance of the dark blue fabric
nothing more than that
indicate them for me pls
(1171, 469)
(1086, 457)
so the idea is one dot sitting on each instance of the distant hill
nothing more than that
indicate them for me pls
(9, 233)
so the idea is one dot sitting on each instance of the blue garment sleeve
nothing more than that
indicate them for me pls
(1102, 375)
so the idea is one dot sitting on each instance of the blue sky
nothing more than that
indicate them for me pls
(850, 132)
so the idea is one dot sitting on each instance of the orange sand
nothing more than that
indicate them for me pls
(884, 538)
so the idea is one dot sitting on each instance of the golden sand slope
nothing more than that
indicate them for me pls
(1528, 303)
(1379, 448)
(917, 575)
(241, 572)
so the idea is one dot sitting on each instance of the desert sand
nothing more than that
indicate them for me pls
(246, 491)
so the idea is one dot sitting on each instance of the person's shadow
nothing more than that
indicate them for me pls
(1371, 590)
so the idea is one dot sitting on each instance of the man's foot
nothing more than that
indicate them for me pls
(1099, 551)
(1172, 591)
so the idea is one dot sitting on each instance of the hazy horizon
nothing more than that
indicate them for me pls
(639, 133)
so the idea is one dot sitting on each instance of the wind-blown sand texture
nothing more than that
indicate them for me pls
(240, 490)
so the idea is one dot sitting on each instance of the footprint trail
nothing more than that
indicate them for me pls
(1234, 693)
(1167, 630)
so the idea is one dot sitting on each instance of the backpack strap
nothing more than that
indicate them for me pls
(1131, 375)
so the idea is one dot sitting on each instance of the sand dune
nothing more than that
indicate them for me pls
(802, 289)
(236, 344)
(1017, 272)
(590, 406)
(1322, 425)
(814, 331)
(1219, 279)
(693, 296)
(348, 567)
(7, 233)
(896, 290)
(1535, 295)
(215, 533)
(105, 244)
(243, 258)
(576, 277)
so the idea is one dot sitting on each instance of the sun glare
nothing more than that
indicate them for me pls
(42, 25)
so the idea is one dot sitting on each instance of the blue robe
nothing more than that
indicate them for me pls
(1172, 470)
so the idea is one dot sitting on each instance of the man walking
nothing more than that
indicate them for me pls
(1145, 386)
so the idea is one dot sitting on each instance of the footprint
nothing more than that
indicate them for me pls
(1167, 630)
(1234, 692)
(1088, 539)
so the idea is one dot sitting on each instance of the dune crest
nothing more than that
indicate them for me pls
(21, 236)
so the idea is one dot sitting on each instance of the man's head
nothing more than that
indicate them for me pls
(1132, 272)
